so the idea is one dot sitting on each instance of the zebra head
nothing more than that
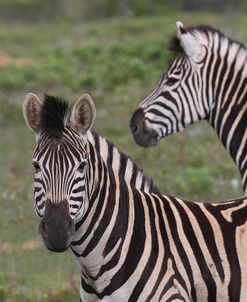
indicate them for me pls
(177, 99)
(60, 162)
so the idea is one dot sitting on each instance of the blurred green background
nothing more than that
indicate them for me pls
(115, 50)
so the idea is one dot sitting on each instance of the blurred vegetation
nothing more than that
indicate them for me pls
(33, 10)
(59, 48)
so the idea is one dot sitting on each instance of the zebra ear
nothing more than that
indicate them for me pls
(189, 43)
(31, 111)
(83, 114)
(180, 29)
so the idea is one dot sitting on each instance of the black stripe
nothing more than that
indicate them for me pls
(151, 261)
(179, 245)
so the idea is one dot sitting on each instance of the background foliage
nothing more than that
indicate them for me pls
(116, 51)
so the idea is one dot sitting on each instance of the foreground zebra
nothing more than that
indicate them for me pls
(207, 80)
(132, 245)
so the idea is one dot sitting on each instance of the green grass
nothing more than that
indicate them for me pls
(117, 61)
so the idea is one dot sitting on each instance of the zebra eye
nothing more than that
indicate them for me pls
(171, 80)
(81, 167)
(36, 167)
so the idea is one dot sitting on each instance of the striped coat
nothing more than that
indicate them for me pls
(207, 81)
(132, 243)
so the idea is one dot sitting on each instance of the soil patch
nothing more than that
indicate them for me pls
(7, 60)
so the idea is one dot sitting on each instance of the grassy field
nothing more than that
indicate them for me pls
(117, 61)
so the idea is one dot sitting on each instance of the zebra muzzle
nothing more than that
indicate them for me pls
(142, 136)
(56, 228)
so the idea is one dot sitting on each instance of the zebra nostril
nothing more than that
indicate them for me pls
(136, 121)
(134, 128)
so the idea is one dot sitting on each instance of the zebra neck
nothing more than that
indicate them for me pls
(121, 164)
(115, 222)
(105, 227)
(226, 81)
(109, 224)
(229, 113)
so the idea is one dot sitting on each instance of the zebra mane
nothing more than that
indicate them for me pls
(54, 114)
(206, 30)
(127, 168)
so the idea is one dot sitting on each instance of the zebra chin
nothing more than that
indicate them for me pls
(146, 139)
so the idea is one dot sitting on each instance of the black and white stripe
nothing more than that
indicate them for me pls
(136, 245)
(207, 80)
(60, 176)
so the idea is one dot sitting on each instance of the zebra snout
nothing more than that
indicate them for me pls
(142, 136)
(137, 121)
(56, 237)
(56, 228)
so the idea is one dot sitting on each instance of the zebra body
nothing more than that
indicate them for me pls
(207, 81)
(132, 243)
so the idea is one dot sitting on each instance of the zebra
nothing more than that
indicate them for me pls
(132, 243)
(206, 81)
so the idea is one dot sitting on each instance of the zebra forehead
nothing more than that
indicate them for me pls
(60, 147)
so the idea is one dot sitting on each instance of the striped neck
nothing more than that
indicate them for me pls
(227, 63)
(120, 163)
(107, 222)
(108, 163)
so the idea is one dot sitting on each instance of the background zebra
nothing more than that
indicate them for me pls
(207, 80)
(132, 245)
